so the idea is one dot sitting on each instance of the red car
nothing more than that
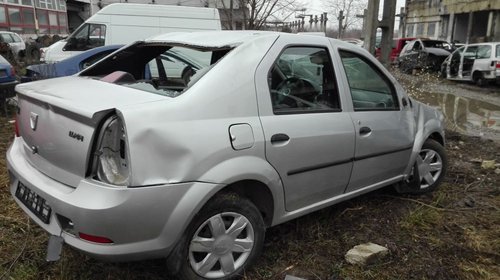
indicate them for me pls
(397, 45)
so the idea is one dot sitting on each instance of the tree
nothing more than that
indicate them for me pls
(350, 9)
(255, 13)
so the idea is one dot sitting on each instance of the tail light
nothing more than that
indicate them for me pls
(498, 64)
(111, 156)
(16, 127)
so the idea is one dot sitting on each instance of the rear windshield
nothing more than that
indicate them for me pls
(498, 51)
(157, 68)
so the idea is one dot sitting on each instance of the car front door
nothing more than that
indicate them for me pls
(468, 60)
(454, 63)
(383, 122)
(309, 138)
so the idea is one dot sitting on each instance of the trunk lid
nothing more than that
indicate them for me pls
(57, 121)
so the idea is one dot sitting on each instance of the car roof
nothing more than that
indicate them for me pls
(211, 39)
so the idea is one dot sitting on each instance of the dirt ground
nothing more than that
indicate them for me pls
(453, 233)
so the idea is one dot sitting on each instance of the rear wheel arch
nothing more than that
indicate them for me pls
(258, 193)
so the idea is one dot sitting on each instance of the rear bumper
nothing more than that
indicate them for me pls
(143, 222)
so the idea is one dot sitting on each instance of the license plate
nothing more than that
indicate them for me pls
(34, 202)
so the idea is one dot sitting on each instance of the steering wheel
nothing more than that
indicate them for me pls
(286, 86)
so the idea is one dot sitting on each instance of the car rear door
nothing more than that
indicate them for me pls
(383, 122)
(309, 139)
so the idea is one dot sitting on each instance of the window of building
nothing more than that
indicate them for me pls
(409, 30)
(302, 81)
(28, 17)
(42, 17)
(13, 1)
(3, 18)
(370, 89)
(62, 20)
(431, 29)
(53, 19)
(14, 15)
(62, 5)
(420, 29)
(27, 2)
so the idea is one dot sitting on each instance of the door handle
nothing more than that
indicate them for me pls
(280, 137)
(364, 130)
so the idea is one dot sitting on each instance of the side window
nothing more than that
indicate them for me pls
(7, 38)
(87, 37)
(470, 53)
(484, 51)
(416, 46)
(370, 89)
(302, 81)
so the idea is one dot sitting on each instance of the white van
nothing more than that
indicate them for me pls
(479, 63)
(123, 23)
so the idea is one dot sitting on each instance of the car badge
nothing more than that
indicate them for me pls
(33, 121)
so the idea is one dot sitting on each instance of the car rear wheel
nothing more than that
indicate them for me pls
(428, 170)
(223, 239)
(479, 79)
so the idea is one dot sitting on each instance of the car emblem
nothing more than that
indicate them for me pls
(33, 121)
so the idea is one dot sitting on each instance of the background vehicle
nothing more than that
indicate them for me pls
(271, 130)
(423, 54)
(15, 42)
(478, 63)
(7, 82)
(397, 45)
(124, 23)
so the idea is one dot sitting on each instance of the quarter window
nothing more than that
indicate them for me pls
(370, 89)
(302, 81)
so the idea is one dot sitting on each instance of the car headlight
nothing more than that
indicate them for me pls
(111, 155)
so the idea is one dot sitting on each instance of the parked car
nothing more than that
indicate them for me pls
(7, 82)
(424, 54)
(478, 63)
(397, 45)
(15, 42)
(126, 168)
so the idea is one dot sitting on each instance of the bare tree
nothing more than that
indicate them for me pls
(255, 13)
(350, 9)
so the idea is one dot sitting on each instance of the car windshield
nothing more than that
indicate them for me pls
(156, 67)
(436, 44)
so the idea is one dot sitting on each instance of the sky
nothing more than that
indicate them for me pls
(318, 7)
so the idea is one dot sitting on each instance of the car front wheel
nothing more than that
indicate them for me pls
(223, 239)
(428, 170)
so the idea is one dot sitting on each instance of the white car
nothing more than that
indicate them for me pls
(478, 63)
(15, 42)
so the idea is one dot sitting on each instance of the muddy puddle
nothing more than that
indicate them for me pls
(465, 115)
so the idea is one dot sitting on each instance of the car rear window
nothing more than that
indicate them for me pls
(498, 51)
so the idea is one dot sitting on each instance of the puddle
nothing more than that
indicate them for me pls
(465, 115)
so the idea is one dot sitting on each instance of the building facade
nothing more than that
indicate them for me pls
(34, 16)
(463, 21)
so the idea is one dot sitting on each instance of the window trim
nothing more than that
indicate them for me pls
(394, 92)
(312, 111)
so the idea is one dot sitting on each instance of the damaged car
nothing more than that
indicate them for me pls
(424, 54)
(125, 165)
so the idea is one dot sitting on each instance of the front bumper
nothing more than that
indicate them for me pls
(143, 222)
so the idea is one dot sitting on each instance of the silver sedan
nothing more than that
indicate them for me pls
(125, 163)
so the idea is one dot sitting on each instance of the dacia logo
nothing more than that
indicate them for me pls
(76, 136)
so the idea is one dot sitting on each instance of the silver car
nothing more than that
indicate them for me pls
(125, 165)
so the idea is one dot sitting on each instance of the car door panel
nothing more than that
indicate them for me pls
(384, 126)
(311, 148)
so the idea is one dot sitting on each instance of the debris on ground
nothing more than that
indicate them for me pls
(366, 253)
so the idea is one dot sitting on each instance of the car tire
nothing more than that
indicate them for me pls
(428, 171)
(479, 79)
(209, 251)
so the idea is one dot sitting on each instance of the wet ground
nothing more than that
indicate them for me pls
(468, 109)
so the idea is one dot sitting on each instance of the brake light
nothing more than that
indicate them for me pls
(111, 157)
(94, 238)
(498, 64)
